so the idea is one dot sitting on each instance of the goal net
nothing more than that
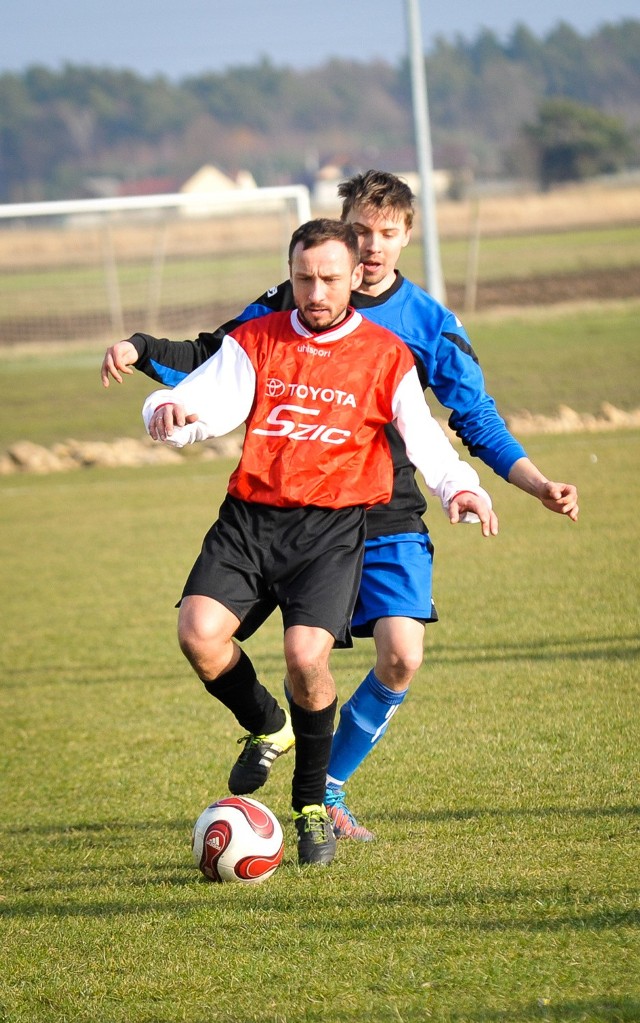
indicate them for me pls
(170, 265)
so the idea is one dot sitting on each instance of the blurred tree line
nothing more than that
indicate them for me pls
(553, 108)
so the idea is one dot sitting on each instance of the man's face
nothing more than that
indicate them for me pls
(382, 235)
(323, 279)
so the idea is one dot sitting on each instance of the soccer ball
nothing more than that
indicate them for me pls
(237, 839)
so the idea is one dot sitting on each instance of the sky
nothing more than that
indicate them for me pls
(187, 37)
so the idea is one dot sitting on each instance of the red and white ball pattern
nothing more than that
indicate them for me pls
(237, 839)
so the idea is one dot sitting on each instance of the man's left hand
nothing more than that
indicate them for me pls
(561, 498)
(467, 501)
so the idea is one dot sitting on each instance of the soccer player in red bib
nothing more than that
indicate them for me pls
(316, 387)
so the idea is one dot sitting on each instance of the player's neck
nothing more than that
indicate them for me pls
(375, 290)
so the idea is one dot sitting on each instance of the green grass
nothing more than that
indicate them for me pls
(532, 255)
(557, 357)
(52, 396)
(78, 289)
(545, 253)
(504, 882)
(536, 362)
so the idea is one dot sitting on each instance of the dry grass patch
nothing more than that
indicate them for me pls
(561, 209)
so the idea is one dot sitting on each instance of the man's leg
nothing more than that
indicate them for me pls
(205, 631)
(365, 716)
(394, 595)
(313, 707)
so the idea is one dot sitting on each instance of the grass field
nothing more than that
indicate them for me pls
(504, 882)
(544, 252)
(536, 361)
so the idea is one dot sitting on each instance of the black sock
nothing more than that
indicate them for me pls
(313, 730)
(252, 705)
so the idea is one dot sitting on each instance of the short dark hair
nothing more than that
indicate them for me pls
(378, 190)
(315, 232)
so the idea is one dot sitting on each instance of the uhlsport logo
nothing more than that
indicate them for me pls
(324, 353)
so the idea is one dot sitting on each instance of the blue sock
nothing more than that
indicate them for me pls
(363, 721)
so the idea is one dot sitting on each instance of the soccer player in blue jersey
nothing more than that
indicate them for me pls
(394, 602)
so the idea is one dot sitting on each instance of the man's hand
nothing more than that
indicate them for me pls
(118, 360)
(165, 419)
(467, 501)
(561, 498)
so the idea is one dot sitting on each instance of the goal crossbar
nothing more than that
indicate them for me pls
(231, 200)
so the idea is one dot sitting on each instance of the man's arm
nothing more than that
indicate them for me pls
(118, 360)
(456, 379)
(166, 361)
(213, 400)
(169, 362)
(557, 497)
(455, 482)
(451, 368)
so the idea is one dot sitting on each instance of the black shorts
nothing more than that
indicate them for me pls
(307, 561)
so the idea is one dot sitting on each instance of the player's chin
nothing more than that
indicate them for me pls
(317, 319)
(373, 273)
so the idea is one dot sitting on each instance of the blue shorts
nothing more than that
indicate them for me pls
(396, 581)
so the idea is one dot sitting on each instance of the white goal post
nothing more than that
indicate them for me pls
(100, 269)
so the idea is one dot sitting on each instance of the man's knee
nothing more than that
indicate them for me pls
(404, 660)
(306, 664)
(400, 652)
(194, 631)
(307, 651)
(204, 634)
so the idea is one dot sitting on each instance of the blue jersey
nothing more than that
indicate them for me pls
(446, 364)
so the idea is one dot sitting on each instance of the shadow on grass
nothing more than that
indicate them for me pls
(476, 813)
(83, 673)
(118, 831)
(340, 913)
(623, 647)
(153, 870)
(168, 884)
(113, 834)
(602, 1010)
(605, 920)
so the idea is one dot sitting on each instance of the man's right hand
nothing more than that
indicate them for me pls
(165, 419)
(118, 360)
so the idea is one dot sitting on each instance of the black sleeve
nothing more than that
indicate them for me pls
(168, 362)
